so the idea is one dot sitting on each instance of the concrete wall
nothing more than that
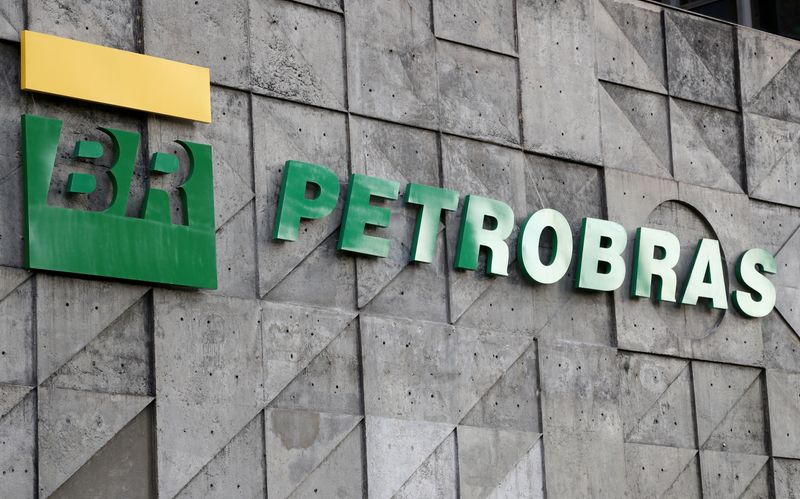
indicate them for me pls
(317, 374)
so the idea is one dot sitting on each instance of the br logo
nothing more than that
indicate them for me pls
(108, 243)
(147, 247)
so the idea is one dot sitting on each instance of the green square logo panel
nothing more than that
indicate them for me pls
(108, 243)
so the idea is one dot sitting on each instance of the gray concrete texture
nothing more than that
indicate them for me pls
(313, 373)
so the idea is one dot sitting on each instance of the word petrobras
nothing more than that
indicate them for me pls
(486, 224)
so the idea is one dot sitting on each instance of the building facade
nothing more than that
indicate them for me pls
(313, 372)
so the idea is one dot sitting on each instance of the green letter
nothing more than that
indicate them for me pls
(646, 265)
(293, 204)
(748, 273)
(431, 201)
(528, 246)
(706, 279)
(472, 236)
(358, 213)
(601, 241)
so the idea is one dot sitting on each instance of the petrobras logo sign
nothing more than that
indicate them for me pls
(487, 224)
(109, 243)
(150, 247)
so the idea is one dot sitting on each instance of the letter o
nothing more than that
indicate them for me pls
(528, 246)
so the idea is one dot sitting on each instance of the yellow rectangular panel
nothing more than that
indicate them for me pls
(59, 66)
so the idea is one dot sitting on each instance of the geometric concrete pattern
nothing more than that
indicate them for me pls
(311, 372)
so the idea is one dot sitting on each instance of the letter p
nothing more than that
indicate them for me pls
(293, 205)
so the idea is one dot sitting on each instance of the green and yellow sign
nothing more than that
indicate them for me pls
(147, 247)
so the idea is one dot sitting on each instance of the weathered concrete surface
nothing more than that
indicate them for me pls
(727, 474)
(772, 152)
(656, 403)
(74, 425)
(657, 471)
(237, 470)
(111, 23)
(292, 337)
(784, 404)
(630, 44)
(331, 381)
(298, 442)
(729, 408)
(458, 367)
(488, 25)
(706, 146)
(391, 64)
(17, 343)
(118, 360)
(436, 476)
(701, 61)
(72, 312)
(576, 191)
(486, 456)
(18, 459)
(787, 477)
(477, 93)
(396, 448)
(558, 80)
(768, 67)
(209, 381)
(12, 14)
(635, 124)
(580, 419)
(127, 458)
(213, 34)
(286, 62)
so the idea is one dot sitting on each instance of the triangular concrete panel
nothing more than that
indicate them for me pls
(486, 456)
(342, 474)
(10, 396)
(436, 477)
(744, 427)
(18, 451)
(72, 312)
(653, 469)
(717, 389)
(238, 469)
(118, 360)
(769, 144)
(297, 442)
(728, 474)
(231, 193)
(693, 159)
(396, 448)
(620, 23)
(625, 132)
(513, 401)
(787, 305)
(10, 279)
(73, 425)
(644, 380)
(762, 57)
(687, 485)
(292, 336)
(670, 419)
(526, 479)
